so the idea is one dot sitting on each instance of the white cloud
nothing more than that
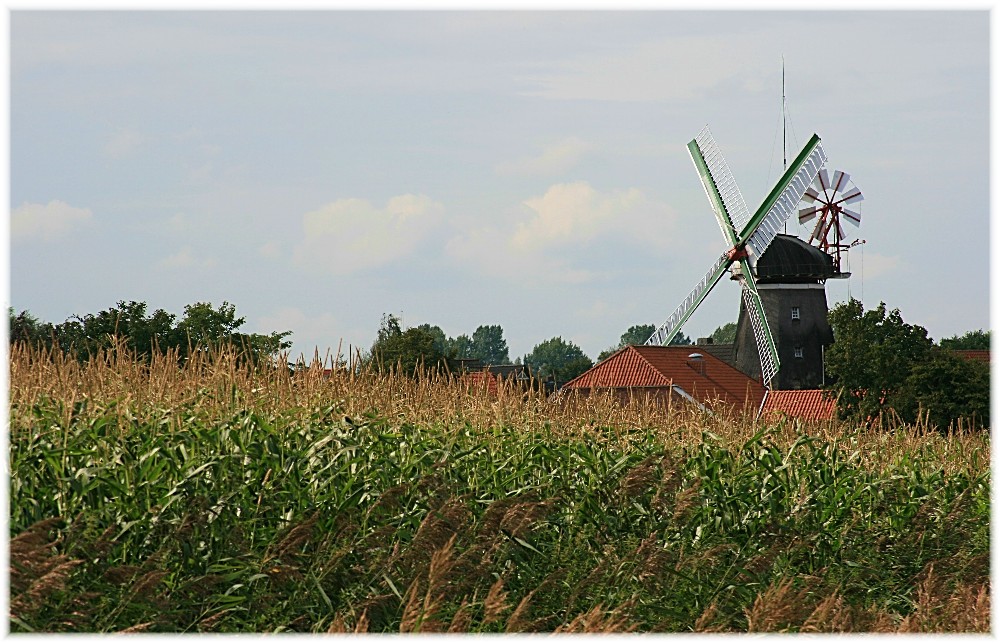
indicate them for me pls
(554, 159)
(47, 222)
(184, 259)
(576, 213)
(270, 250)
(350, 235)
(489, 251)
(123, 142)
(550, 242)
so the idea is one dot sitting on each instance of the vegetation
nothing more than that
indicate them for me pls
(725, 334)
(205, 495)
(409, 351)
(880, 364)
(487, 344)
(201, 326)
(558, 360)
(637, 336)
(972, 340)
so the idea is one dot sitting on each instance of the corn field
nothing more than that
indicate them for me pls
(218, 497)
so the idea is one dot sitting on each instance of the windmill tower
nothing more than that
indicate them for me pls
(748, 238)
(791, 277)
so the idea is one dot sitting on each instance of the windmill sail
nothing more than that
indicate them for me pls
(783, 199)
(727, 202)
(672, 325)
(755, 234)
(769, 362)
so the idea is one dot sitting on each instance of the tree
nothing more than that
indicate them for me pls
(440, 339)
(945, 387)
(128, 325)
(872, 356)
(725, 334)
(405, 351)
(636, 335)
(558, 359)
(489, 346)
(972, 340)
(25, 327)
(461, 347)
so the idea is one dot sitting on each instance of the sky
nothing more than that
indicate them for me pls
(318, 169)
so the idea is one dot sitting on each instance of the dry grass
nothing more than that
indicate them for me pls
(216, 383)
(462, 566)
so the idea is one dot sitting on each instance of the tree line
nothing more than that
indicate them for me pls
(877, 363)
(128, 325)
(880, 364)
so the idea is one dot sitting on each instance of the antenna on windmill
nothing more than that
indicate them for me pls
(748, 237)
(784, 119)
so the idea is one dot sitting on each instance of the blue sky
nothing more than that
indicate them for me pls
(318, 169)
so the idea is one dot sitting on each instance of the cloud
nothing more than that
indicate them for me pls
(123, 142)
(184, 259)
(558, 228)
(270, 250)
(575, 213)
(554, 159)
(351, 235)
(33, 221)
(489, 251)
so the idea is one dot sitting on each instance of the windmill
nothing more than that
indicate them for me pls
(831, 195)
(747, 236)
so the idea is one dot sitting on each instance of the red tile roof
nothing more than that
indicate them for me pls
(706, 378)
(808, 405)
(481, 380)
(981, 355)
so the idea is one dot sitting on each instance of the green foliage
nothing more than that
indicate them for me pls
(878, 362)
(252, 521)
(461, 347)
(680, 339)
(440, 339)
(634, 336)
(409, 351)
(489, 345)
(25, 327)
(972, 340)
(201, 328)
(725, 334)
(945, 387)
(558, 359)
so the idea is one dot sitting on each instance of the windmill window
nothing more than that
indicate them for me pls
(798, 352)
(795, 312)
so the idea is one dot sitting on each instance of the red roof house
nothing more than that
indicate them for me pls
(981, 355)
(668, 372)
(812, 404)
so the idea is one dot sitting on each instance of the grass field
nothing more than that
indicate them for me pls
(215, 498)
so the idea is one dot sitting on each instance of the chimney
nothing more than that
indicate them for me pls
(704, 341)
(696, 362)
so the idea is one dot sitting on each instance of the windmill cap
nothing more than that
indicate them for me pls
(790, 259)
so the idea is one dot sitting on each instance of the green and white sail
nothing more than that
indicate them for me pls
(749, 236)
